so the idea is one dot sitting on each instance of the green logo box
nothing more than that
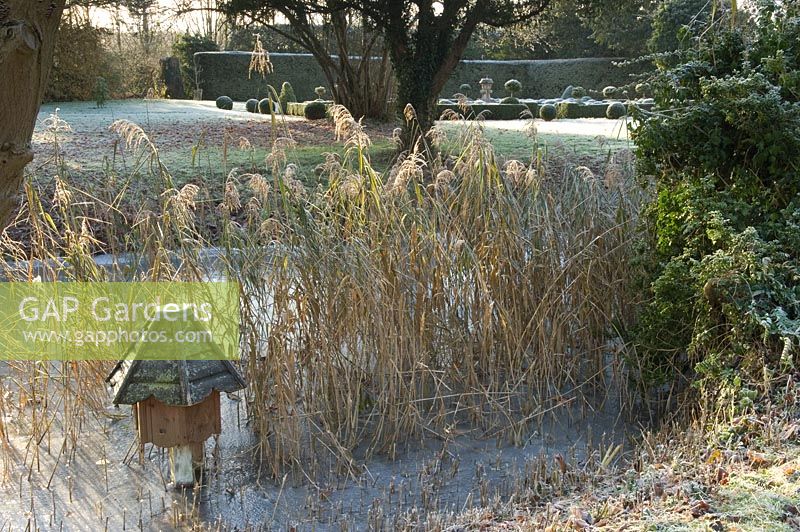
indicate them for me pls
(113, 321)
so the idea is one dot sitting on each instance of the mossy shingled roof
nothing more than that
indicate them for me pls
(173, 382)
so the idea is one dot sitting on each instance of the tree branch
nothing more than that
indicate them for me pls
(458, 46)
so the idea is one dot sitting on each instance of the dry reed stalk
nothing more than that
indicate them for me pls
(399, 309)
(450, 292)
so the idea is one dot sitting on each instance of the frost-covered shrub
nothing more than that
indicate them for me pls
(548, 112)
(721, 291)
(610, 92)
(616, 110)
(513, 87)
(224, 103)
(286, 96)
(316, 110)
(251, 105)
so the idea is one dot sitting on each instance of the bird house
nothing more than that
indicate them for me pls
(176, 405)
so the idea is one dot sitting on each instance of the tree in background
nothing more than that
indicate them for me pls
(26, 56)
(593, 28)
(425, 40)
(623, 26)
(558, 33)
(209, 22)
(184, 49)
(142, 11)
(676, 22)
(568, 29)
(274, 40)
(80, 56)
(359, 75)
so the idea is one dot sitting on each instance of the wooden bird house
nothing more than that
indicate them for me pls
(176, 405)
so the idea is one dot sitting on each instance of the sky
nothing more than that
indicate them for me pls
(103, 17)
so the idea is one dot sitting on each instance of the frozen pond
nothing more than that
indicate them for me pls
(103, 485)
(91, 476)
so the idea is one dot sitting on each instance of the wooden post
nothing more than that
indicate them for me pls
(186, 464)
(181, 465)
(198, 459)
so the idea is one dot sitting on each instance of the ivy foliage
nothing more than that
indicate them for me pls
(675, 21)
(723, 151)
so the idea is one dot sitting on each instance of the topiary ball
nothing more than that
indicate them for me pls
(616, 110)
(643, 89)
(465, 88)
(251, 105)
(578, 92)
(548, 112)
(513, 86)
(315, 110)
(265, 106)
(510, 100)
(609, 92)
(223, 102)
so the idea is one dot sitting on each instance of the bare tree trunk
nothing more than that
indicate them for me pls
(27, 38)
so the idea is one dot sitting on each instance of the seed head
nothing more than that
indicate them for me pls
(62, 196)
(515, 172)
(259, 187)
(231, 201)
(409, 113)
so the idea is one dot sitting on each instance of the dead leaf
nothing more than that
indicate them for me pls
(758, 459)
(789, 432)
(579, 524)
(722, 476)
(714, 457)
(562, 464)
(700, 508)
(580, 514)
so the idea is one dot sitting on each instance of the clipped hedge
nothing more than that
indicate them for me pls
(497, 111)
(564, 109)
(568, 110)
(544, 78)
(226, 73)
(295, 108)
(220, 73)
(317, 110)
(596, 110)
(299, 108)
